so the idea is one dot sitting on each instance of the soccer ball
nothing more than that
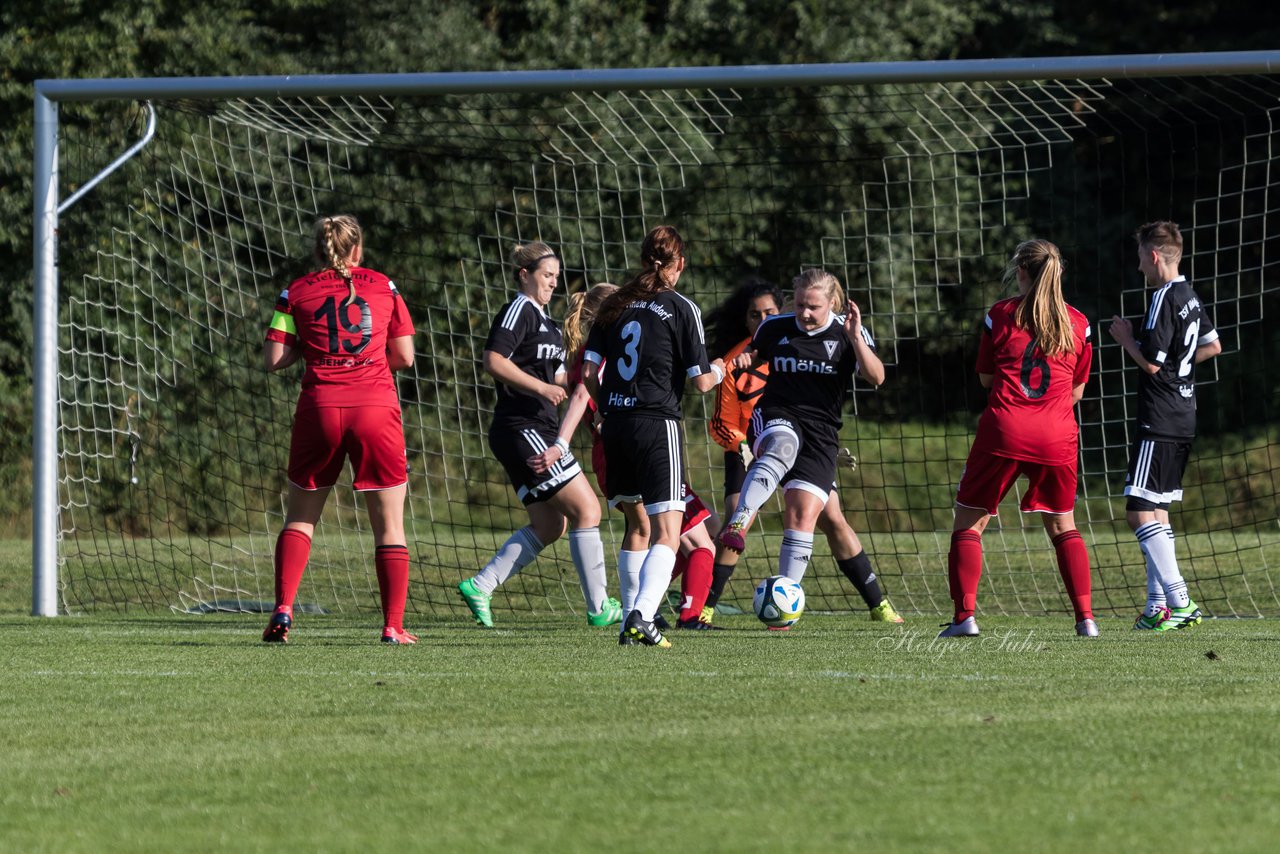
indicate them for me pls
(779, 601)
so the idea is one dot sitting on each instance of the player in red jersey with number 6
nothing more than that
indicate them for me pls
(1034, 356)
(350, 327)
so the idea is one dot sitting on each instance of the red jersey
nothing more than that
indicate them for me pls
(343, 344)
(1029, 414)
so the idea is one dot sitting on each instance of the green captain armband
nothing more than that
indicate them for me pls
(283, 322)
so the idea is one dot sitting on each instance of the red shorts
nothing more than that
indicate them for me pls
(988, 478)
(695, 512)
(371, 436)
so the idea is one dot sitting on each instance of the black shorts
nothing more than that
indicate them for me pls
(735, 472)
(645, 461)
(1155, 473)
(512, 444)
(815, 466)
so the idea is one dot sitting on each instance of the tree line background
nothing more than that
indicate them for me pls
(81, 40)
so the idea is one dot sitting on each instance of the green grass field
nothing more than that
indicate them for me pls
(167, 732)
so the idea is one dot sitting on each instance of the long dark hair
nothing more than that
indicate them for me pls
(661, 249)
(728, 321)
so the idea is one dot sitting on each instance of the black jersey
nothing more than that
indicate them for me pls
(532, 341)
(1175, 326)
(809, 372)
(647, 353)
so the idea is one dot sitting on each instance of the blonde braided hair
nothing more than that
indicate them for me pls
(336, 240)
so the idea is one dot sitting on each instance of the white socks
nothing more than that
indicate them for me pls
(762, 480)
(655, 576)
(629, 564)
(588, 558)
(793, 557)
(515, 554)
(1156, 541)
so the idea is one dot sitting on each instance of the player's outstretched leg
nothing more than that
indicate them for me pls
(477, 602)
(778, 451)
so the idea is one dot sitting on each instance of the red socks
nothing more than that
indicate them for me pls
(293, 549)
(964, 571)
(1073, 564)
(681, 564)
(696, 583)
(392, 565)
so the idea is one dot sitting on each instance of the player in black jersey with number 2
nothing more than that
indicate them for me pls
(1176, 335)
(812, 354)
(649, 340)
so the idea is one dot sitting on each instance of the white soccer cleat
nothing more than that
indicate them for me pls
(1087, 629)
(966, 628)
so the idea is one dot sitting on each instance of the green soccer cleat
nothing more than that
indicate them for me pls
(1150, 622)
(477, 601)
(884, 613)
(708, 614)
(1181, 618)
(610, 614)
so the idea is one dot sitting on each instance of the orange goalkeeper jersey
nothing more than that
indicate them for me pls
(736, 399)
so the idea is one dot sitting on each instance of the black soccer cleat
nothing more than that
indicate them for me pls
(644, 631)
(277, 631)
(661, 622)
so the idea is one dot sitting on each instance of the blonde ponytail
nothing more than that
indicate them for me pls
(1043, 311)
(582, 312)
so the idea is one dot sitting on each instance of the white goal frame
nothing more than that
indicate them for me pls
(47, 206)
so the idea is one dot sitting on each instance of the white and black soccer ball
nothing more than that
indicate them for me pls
(779, 601)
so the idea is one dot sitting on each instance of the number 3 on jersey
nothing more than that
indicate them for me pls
(630, 361)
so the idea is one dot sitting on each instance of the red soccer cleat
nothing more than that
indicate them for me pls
(731, 538)
(392, 635)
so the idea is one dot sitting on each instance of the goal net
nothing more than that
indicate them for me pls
(172, 439)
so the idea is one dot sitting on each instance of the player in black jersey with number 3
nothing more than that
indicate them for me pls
(1176, 335)
(649, 340)
(812, 356)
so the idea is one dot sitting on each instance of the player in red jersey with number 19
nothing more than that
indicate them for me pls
(1034, 356)
(351, 328)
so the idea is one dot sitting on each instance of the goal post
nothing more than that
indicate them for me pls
(157, 491)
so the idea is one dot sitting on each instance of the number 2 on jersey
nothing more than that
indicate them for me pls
(1189, 341)
(630, 361)
(333, 315)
